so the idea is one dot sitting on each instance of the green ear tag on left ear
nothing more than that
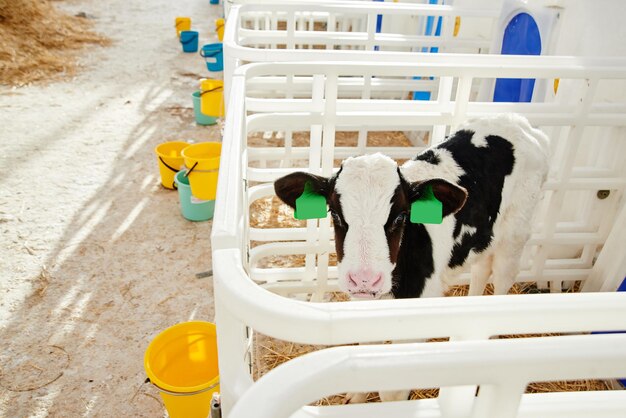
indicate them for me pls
(310, 205)
(427, 209)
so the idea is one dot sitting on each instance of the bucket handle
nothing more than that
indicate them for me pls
(191, 39)
(191, 169)
(210, 55)
(171, 168)
(215, 170)
(213, 386)
(211, 90)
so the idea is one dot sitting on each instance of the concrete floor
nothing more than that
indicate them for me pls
(96, 258)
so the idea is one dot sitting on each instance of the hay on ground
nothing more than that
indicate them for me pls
(38, 42)
(342, 139)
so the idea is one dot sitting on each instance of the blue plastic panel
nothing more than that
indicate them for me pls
(521, 37)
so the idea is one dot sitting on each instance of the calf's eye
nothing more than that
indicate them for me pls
(399, 219)
(336, 218)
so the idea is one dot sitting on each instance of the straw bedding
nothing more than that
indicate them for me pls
(38, 42)
(269, 353)
(342, 139)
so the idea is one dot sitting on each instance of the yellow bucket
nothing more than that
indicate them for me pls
(212, 97)
(169, 155)
(203, 163)
(182, 363)
(219, 28)
(181, 24)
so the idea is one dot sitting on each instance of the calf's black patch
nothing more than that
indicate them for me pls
(428, 156)
(414, 264)
(485, 171)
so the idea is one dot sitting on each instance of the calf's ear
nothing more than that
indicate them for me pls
(451, 196)
(291, 186)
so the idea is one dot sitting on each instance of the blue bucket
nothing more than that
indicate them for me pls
(189, 40)
(201, 118)
(192, 209)
(213, 54)
(215, 1)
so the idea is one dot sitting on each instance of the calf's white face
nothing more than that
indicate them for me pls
(369, 202)
(365, 189)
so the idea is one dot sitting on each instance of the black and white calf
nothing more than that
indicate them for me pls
(488, 175)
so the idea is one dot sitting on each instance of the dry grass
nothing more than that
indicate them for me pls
(342, 139)
(39, 43)
(567, 386)
(270, 212)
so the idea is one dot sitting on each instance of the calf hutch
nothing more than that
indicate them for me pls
(276, 277)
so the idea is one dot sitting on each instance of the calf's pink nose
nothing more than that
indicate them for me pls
(364, 281)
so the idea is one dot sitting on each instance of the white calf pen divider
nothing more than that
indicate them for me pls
(371, 368)
(351, 30)
(578, 237)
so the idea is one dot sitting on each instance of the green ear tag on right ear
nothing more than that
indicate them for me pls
(310, 205)
(427, 209)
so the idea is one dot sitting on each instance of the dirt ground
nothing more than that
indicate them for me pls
(95, 256)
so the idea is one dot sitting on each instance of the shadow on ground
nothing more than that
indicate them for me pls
(123, 271)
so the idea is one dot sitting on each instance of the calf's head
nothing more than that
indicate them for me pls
(370, 203)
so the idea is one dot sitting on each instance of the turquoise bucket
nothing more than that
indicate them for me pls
(201, 118)
(192, 208)
(189, 40)
(213, 54)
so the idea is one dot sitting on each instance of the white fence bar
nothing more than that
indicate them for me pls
(347, 27)
(502, 368)
(341, 323)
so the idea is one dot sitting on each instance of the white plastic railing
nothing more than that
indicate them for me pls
(230, 3)
(583, 101)
(350, 32)
(502, 369)
(460, 318)
(241, 304)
